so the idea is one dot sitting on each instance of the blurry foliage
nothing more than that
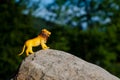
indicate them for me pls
(79, 12)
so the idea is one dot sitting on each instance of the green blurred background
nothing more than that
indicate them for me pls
(89, 29)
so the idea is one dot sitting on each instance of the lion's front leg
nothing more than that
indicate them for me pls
(44, 46)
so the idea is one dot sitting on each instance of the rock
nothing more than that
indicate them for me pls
(58, 65)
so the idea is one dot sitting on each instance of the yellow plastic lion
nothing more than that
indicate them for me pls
(41, 39)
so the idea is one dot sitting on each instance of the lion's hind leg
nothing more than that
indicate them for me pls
(29, 51)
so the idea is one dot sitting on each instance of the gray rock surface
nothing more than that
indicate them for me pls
(58, 65)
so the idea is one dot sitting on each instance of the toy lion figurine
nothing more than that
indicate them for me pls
(41, 39)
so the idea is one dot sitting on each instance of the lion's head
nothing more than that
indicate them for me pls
(45, 33)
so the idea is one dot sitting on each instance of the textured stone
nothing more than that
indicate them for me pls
(58, 65)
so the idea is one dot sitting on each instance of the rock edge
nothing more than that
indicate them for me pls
(59, 65)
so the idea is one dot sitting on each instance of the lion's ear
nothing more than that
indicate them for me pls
(44, 30)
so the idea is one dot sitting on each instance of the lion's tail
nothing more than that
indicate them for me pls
(22, 50)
